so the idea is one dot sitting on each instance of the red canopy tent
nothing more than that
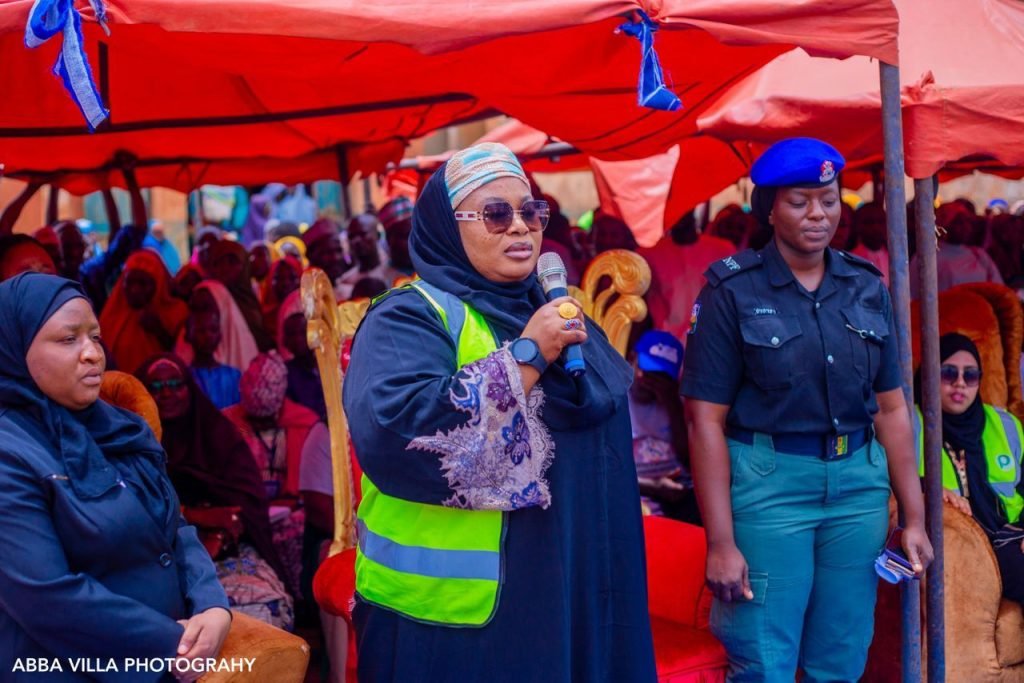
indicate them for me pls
(963, 102)
(634, 190)
(226, 91)
(539, 152)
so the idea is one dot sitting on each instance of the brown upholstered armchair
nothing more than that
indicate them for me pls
(280, 657)
(984, 632)
(991, 315)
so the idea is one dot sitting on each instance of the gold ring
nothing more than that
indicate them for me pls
(568, 311)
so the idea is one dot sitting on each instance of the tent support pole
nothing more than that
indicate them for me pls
(931, 409)
(343, 198)
(899, 284)
(877, 188)
(368, 197)
(52, 205)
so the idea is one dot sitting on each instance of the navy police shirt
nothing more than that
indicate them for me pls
(789, 361)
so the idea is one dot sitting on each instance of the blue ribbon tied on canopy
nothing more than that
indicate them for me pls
(46, 19)
(651, 90)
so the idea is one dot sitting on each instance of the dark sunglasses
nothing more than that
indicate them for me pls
(951, 373)
(498, 216)
(171, 384)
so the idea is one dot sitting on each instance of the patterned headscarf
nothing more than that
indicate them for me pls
(478, 165)
(264, 385)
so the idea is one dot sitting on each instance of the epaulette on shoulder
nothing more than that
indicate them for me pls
(863, 263)
(723, 269)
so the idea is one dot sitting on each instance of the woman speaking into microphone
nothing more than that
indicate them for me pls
(499, 530)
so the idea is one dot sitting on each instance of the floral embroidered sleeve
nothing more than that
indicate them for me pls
(497, 460)
(426, 432)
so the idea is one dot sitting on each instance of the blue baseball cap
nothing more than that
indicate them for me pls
(659, 351)
(804, 162)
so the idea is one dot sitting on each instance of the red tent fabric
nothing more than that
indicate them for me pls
(524, 141)
(963, 99)
(225, 91)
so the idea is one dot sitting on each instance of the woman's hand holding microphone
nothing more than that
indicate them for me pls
(554, 326)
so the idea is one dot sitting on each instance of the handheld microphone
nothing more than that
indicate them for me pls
(552, 275)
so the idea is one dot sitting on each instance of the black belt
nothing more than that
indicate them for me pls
(826, 447)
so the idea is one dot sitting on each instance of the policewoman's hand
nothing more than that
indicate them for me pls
(917, 548)
(548, 328)
(727, 574)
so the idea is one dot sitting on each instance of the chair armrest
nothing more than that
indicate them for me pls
(280, 657)
(676, 554)
(973, 593)
(334, 584)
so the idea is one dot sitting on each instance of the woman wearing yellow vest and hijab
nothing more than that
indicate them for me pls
(981, 459)
(500, 535)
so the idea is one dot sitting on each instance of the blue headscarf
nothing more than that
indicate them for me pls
(88, 441)
(435, 245)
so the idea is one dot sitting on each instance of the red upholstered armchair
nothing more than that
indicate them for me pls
(680, 604)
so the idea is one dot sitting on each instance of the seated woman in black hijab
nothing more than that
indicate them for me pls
(207, 459)
(981, 459)
(500, 535)
(95, 560)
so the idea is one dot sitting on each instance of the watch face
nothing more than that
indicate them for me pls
(524, 350)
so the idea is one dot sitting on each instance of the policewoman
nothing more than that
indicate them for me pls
(798, 425)
(981, 458)
(500, 536)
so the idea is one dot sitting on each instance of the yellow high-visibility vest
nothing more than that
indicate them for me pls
(432, 563)
(1002, 441)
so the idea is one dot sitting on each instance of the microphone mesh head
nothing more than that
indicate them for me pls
(551, 271)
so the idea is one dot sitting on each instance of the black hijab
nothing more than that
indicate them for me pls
(211, 464)
(88, 441)
(964, 431)
(435, 245)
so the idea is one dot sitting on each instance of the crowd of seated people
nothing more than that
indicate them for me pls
(219, 341)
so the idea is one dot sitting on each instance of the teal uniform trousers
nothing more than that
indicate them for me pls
(810, 531)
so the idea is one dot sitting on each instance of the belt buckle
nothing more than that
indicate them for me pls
(836, 447)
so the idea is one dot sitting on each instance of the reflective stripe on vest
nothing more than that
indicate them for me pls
(441, 564)
(428, 562)
(1002, 444)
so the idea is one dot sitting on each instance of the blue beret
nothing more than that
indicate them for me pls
(797, 161)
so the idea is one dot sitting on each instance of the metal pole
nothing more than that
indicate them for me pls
(368, 197)
(899, 285)
(53, 205)
(877, 189)
(931, 410)
(343, 198)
